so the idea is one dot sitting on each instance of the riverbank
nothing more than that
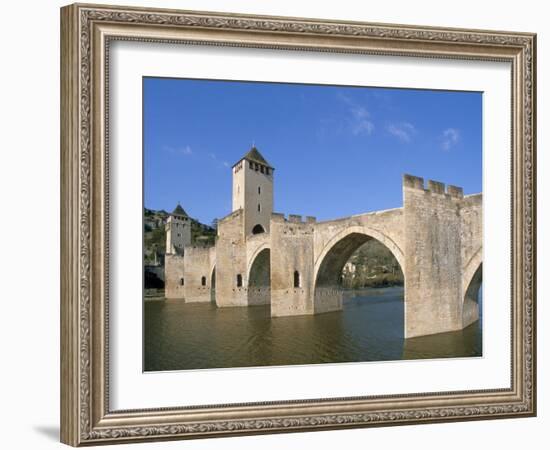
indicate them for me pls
(371, 291)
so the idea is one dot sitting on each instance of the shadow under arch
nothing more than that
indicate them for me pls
(470, 306)
(328, 292)
(213, 285)
(366, 233)
(472, 279)
(259, 278)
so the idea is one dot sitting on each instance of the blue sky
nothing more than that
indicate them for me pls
(337, 150)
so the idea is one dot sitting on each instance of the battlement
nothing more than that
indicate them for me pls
(434, 187)
(413, 182)
(293, 218)
(231, 215)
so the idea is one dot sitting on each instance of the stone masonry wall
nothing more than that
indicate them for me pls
(173, 273)
(199, 263)
(231, 261)
(291, 250)
(433, 258)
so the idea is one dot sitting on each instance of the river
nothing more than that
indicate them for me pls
(179, 335)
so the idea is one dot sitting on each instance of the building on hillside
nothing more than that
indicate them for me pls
(178, 231)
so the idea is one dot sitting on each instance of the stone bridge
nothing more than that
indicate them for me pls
(436, 237)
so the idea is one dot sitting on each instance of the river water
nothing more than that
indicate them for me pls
(180, 335)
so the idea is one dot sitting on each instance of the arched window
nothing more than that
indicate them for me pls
(259, 190)
(258, 229)
(239, 280)
(203, 281)
(296, 279)
(181, 282)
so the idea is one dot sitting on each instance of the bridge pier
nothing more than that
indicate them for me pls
(291, 266)
(434, 299)
(328, 299)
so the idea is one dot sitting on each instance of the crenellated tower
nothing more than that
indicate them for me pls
(253, 191)
(178, 231)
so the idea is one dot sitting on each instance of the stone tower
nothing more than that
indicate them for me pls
(253, 191)
(178, 231)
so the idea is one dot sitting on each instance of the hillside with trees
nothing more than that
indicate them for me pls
(372, 265)
(154, 234)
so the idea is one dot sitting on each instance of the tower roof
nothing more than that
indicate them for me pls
(179, 211)
(254, 155)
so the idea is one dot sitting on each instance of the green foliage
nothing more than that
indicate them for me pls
(154, 238)
(372, 265)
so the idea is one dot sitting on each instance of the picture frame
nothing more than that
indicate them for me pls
(87, 31)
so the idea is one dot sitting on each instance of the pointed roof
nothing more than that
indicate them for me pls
(254, 155)
(179, 211)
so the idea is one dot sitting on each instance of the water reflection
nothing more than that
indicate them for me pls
(370, 328)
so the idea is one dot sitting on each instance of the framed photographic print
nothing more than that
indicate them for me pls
(277, 224)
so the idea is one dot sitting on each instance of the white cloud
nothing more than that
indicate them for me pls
(450, 138)
(217, 161)
(187, 150)
(361, 123)
(404, 131)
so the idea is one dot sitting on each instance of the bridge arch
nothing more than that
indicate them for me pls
(471, 283)
(350, 240)
(328, 295)
(213, 284)
(259, 277)
(470, 268)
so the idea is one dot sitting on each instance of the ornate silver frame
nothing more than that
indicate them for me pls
(86, 31)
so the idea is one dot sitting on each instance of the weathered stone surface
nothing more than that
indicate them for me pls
(291, 256)
(174, 286)
(231, 261)
(199, 266)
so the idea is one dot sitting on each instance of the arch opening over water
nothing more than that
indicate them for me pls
(353, 264)
(259, 279)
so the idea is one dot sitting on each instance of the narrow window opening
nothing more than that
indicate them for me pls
(182, 282)
(203, 281)
(296, 279)
(239, 280)
(259, 190)
(259, 208)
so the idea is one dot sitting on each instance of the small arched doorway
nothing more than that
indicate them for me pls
(258, 229)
